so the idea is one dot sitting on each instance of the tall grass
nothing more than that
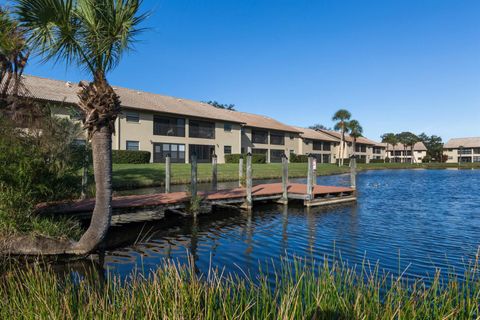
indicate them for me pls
(300, 291)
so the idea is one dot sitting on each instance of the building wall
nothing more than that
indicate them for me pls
(468, 155)
(418, 155)
(291, 142)
(306, 147)
(142, 132)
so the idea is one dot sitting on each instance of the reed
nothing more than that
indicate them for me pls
(299, 291)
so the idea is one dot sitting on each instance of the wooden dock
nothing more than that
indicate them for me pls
(273, 192)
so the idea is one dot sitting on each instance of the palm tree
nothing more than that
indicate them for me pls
(356, 131)
(390, 139)
(94, 35)
(341, 116)
(412, 140)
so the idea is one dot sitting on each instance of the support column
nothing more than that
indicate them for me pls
(214, 172)
(248, 201)
(284, 198)
(167, 173)
(240, 171)
(193, 183)
(353, 172)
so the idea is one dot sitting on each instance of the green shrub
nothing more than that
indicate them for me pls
(377, 161)
(298, 158)
(234, 158)
(35, 166)
(129, 156)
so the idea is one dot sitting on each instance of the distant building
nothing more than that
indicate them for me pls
(462, 150)
(322, 146)
(403, 154)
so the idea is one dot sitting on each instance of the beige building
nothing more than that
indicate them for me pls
(365, 149)
(322, 146)
(180, 127)
(398, 153)
(462, 150)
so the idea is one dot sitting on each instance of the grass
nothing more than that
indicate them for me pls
(130, 176)
(300, 291)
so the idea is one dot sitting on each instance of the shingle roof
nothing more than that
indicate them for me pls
(61, 91)
(419, 146)
(315, 135)
(471, 142)
(338, 135)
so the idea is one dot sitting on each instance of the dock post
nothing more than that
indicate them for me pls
(248, 201)
(214, 172)
(309, 178)
(353, 172)
(284, 198)
(193, 183)
(314, 171)
(167, 173)
(240, 171)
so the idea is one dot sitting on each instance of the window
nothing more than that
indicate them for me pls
(176, 152)
(327, 146)
(377, 150)
(476, 150)
(227, 149)
(277, 138)
(201, 129)
(132, 116)
(227, 127)
(317, 145)
(260, 151)
(259, 136)
(168, 126)
(360, 148)
(476, 159)
(292, 136)
(326, 158)
(203, 152)
(464, 151)
(276, 156)
(132, 145)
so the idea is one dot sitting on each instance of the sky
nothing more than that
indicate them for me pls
(397, 65)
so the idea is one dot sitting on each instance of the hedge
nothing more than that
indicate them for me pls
(256, 158)
(298, 158)
(129, 156)
(346, 162)
(377, 161)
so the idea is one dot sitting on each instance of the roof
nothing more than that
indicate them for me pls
(419, 146)
(64, 91)
(315, 135)
(338, 135)
(471, 142)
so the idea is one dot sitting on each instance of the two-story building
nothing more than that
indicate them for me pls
(322, 146)
(402, 153)
(462, 150)
(364, 148)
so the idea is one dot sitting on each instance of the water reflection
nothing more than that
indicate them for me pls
(412, 221)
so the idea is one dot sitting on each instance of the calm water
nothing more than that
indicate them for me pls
(413, 220)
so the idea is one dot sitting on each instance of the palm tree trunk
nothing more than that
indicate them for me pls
(102, 213)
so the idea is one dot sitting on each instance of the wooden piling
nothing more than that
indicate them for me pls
(314, 171)
(167, 173)
(194, 179)
(353, 172)
(309, 178)
(248, 200)
(214, 172)
(284, 198)
(240, 171)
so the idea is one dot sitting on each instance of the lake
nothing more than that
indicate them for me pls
(407, 221)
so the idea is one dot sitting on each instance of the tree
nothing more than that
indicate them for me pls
(408, 139)
(390, 139)
(356, 132)
(93, 34)
(221, 105)
(319, 126)
(434, 145)
(341, 116)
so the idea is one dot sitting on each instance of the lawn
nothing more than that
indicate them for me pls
(129, 176)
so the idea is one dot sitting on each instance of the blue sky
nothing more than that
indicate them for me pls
(395, 64)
